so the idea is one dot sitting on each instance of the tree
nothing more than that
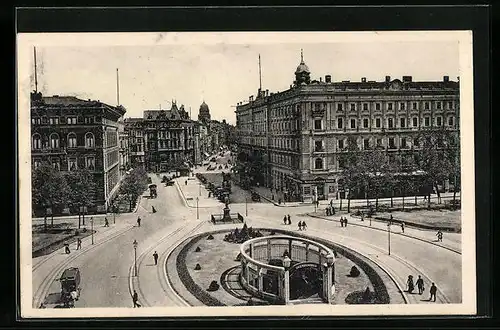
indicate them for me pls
(134, 185)
(81, 189)
(352, 172)
(438, 156)
(375, 170)
(49, 188)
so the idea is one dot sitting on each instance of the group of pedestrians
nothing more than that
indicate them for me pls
(343, 221)
(286, 220)
(302, 225)
(421, 287)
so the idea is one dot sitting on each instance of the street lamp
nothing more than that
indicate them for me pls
(286, 264)
(246, 206)
(92, 228)
(135, 256)
(197, 209)
(199, 188)
(330, 276)
(389, 237)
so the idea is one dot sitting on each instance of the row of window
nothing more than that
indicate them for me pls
(53, 140)
(72, 163)
(70, 120)
(390, 122)
(112, 158)
(439, 105)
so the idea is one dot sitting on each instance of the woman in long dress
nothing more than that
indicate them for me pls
(411, 287)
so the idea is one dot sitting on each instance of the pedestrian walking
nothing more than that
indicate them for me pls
(106, 222)
(390, 221)
(186, 182)
(402, 227)
(439, 236)
(345, 222)
(289, 221)
(304, 225)
(409, 283)
(362, 217)
(135, 299)
(78, 243)
(155, 256)
(138, 221)
(66, 248)
(153, 209)
(300, 225)
(433, 291)
(341, 221)
(420, 285)
(284, 220)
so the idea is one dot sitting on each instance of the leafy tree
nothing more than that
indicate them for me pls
(352, 172)
(375, 171)
(133, 185)
(49, 188)
(438, 156)
(81, 189)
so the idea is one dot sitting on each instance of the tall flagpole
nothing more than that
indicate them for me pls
(117, 88)
(36, 78)
(260, 76)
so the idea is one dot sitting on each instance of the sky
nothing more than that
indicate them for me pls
(224, 71)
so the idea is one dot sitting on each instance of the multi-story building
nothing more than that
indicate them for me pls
(169, 138)
(123, 140)
(300, 134)
(71, 133)
(135, 133)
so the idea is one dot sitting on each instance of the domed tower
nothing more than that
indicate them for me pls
(204, 113)
(302, 74)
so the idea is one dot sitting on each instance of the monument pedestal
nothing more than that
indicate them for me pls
(227, 215)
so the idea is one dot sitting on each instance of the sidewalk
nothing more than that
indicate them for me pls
(451, 241)
(354, 203)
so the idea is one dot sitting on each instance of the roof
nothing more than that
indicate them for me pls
(70, 273)
(302, 68)
(69, 101)
(66, 100)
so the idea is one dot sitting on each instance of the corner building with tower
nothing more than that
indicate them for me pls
(299, 134)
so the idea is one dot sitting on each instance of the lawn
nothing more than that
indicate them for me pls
(438, 218)
(54, 238)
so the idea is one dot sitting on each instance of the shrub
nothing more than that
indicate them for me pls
(214, 286)
(197, 249)
(197, 267)
(210, 237)
(354, 272)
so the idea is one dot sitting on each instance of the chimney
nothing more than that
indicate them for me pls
(446, 78)
(328, 78)
(363, 79)
(387, 78)
(406, 78)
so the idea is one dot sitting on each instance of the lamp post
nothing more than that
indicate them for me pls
(286, 290)
(246, 206)
(197, 208)
(199, 188)
(330, 277)
(389, 237)
(135, 256)
(92, 228)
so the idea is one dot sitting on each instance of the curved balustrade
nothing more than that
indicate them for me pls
(261, 277)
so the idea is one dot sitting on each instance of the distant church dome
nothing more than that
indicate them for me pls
(204, 107)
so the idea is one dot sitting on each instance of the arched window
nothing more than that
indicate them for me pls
(318, 163)
(71, 140)
(89, 140)
(54, 140)
(36, 141)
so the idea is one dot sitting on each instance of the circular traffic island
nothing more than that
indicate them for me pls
(259, 270)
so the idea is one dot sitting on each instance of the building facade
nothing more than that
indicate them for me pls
(71, 133)
(135, 134)
(300, 134)
(123, 140)
(169, 139)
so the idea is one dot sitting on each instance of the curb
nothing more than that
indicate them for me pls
(410, 224)
(379, 229)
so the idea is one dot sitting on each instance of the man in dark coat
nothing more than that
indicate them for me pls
(138, 221)
(135, 299)
(420, 284)
(284, 220)
(155, 256)
(289, 221)
(433, 291)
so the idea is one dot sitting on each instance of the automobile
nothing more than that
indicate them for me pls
(70, 286)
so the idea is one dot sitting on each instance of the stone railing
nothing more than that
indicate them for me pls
(272, 282)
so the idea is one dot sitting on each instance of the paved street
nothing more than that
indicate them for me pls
(106, 269)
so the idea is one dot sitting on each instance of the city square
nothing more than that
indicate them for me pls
(336, 191)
